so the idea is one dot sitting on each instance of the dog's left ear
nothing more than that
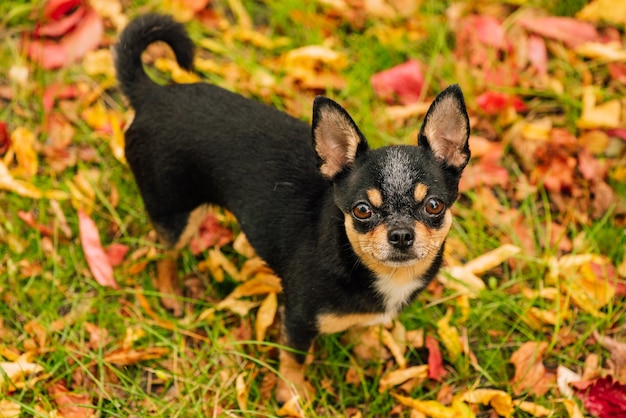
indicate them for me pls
(446, 128)
(336, 138)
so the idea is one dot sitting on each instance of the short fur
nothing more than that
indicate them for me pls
(353, 233)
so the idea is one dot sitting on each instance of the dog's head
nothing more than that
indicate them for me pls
(396, 200)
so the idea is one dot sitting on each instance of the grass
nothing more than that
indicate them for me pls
(45, 279)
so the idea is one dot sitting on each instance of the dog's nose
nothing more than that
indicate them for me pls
(401, 238)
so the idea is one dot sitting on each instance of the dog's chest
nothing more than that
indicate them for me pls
(396, 293)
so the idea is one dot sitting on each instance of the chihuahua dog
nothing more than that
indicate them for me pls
(354, 233)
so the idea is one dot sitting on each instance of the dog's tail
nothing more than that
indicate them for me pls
(140, 33)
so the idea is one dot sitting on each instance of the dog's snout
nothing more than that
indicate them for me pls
(401, 238)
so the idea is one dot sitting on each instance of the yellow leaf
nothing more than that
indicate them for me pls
(22, 143)
(449, 336)
(242, 391)
(96, 116)
(499, 400)
(394, 347)
(116, 143)
(587, 289)
(605, 115)
(9, 409)
(492, 259)
(534, 409)
(237, 306)
(178, 74)
(265, 315)
(23, 188)
(604, 10)
(397, 377)
(13, 375)
(261, 284)
(99, 62)
(572, 408)
(607, 52)
(435, 409)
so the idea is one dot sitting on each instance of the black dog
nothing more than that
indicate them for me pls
(353, 233)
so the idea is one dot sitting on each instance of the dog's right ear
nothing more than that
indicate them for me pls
(336, 138)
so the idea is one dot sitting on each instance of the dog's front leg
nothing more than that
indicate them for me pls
(292, 364)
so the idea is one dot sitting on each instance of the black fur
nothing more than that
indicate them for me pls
(196, 143)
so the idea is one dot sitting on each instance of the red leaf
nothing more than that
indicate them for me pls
(56, 9)
(29, 218)
(435, 359)
(211, 233)
(493, 102)
(97, 259)
(5, 138)
(60, 27)
(603, 397)
(404, 82)
(617, 132)
(85, 37)
(58, 91)
(116, 253)
(489, 30)
(571, 32)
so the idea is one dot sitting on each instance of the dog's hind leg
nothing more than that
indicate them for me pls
(167, 281)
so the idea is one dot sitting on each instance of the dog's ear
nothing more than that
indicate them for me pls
(336, 138)
(446, 128)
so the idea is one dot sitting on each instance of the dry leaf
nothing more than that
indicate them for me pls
(261, 284)
(265, 315)
(564, 377)
(14, 374)
(605, 115)
(127, 357)
(237, 306)
(434, 409)
(70, 404)
(604, 10)
(500, 401)
(534, 409)
(449, 336)
(394, 347)
(9, 409)
(242, 391)
(22, 143)
(530, 373)
(397, 377)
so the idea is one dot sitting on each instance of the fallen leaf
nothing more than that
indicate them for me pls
(127, 357)
(9, 409)
(116, 253)
(403, 83)
(434, 409)
(533, 409)
(493, 102)
(394, 347)
(618, 354)
(603, 11)
(23, 142)
(315, 67)
(96, 257)
(5, 139)
(564, 378)
(70, 404)
(21, 187)
(603, 397)
(51, 52)
(436, 370)
(242, 391)
(210, 233)
(605, 115)
(500, 401)
(265, 315)
(398, 377)
(260, 284)
(14, 374)
(572, 32)
(449, 336)
(530, 373)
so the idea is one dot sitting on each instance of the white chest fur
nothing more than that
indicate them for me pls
(395, 293)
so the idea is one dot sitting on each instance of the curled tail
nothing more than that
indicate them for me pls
(134, 39)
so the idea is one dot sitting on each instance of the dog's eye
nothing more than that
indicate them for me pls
(434, 206)
(362, 211)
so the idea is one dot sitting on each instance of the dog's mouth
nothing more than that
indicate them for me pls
(401, 260)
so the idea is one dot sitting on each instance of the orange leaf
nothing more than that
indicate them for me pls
(530, 373)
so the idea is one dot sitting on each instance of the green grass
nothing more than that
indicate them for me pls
(45, 279)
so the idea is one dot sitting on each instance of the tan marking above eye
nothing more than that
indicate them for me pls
(420, 192)
(375, 197)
